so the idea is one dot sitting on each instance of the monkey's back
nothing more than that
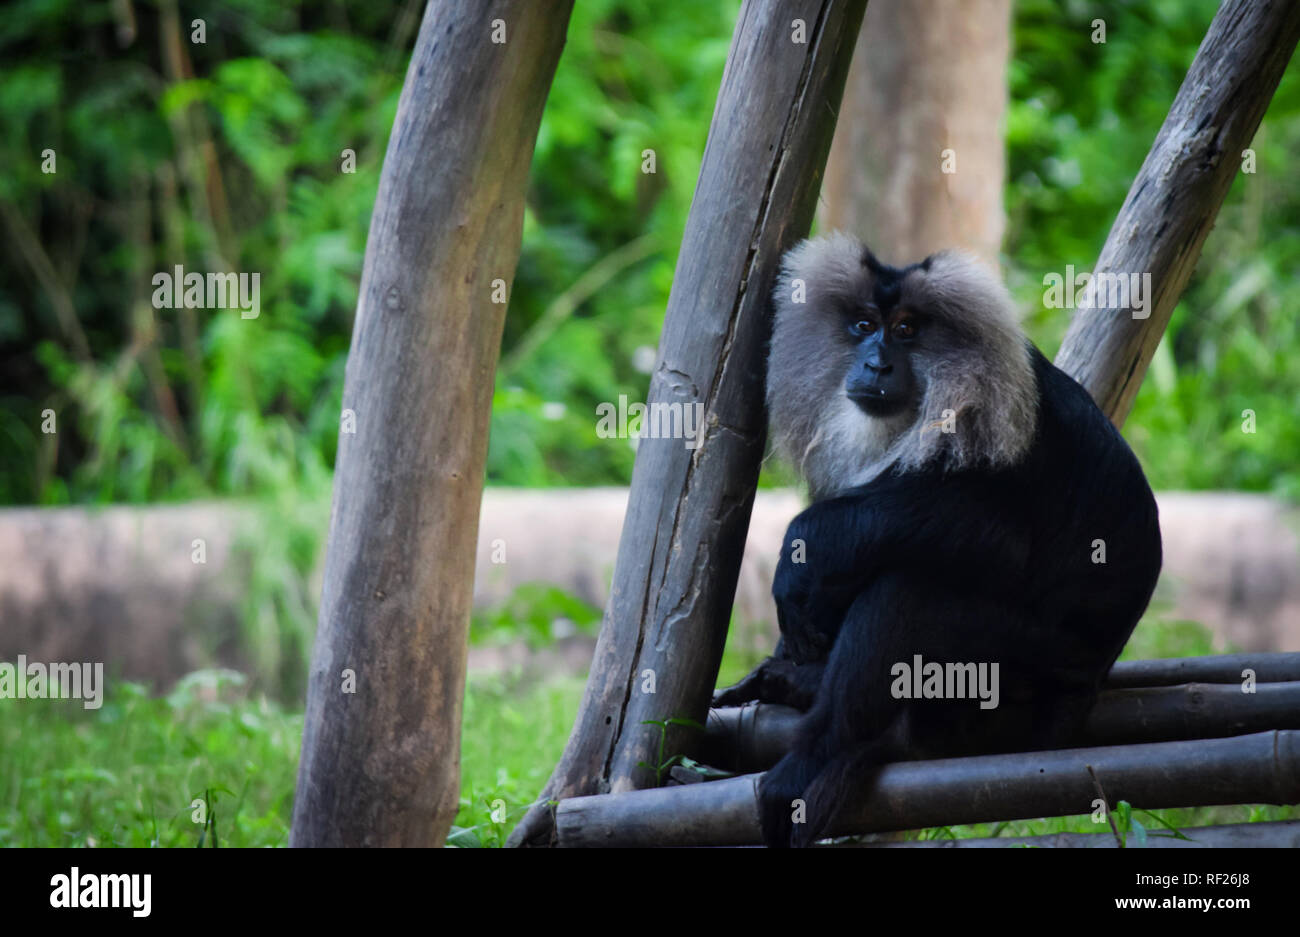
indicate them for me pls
(1096, 539)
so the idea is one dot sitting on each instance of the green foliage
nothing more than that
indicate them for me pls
(663, 761)
(282, 555)
(171, 404)
(512, 737)
(631, 79)
(535, 612)
(131, 772)
(1081, 120)
(208, 765)
(238, 168)
(161, 403)
(1127, 825)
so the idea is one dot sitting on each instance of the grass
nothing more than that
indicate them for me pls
(140, 771)
(209, 760)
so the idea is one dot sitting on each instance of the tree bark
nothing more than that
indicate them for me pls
(688, 511)
(381, 765)
(1176, 196)
(926, 78)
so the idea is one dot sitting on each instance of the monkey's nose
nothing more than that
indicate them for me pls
(879, 367)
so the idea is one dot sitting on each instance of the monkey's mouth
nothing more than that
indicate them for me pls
(878, 402)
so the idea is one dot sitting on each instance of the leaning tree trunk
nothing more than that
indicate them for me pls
(917, 161)
(688, 511)
(381, 749)
(1175, 198)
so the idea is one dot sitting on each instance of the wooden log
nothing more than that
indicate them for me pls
(753, 737)
(720, 813)
(688, 510)
(380, 757)
(1259, 768)
(1176, 195)
(1222, 668)
(1278, 834)
(1191, 711)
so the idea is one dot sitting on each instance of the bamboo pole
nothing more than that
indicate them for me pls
(1259, 768)
(1221, 668)
(753, 737)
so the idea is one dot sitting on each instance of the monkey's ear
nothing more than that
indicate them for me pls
(925, 264)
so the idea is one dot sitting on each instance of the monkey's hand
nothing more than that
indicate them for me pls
(746, 691)
(775, 680)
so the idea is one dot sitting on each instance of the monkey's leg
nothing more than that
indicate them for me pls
(857, 724)
(851, 715)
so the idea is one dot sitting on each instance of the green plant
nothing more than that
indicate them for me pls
(664, 763)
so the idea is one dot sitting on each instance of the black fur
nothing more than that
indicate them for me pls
(981, 565)
(887, 281)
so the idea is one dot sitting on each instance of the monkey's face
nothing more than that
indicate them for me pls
(866, 359)
(881, 379)
(884, 327)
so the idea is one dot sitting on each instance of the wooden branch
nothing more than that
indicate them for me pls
(380, 764)
(688, 510)
(1260, 768)
(1176, 195)
(1279, 834)
(1221, 668)
(1191, 711)
(755, 736)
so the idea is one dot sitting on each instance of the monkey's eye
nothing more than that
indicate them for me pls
(904, 330)
(863, 327)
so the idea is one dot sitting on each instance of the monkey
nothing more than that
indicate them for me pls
(969, 504)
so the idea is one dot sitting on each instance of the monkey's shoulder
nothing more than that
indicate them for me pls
(1074, 440)
(1063, 401)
